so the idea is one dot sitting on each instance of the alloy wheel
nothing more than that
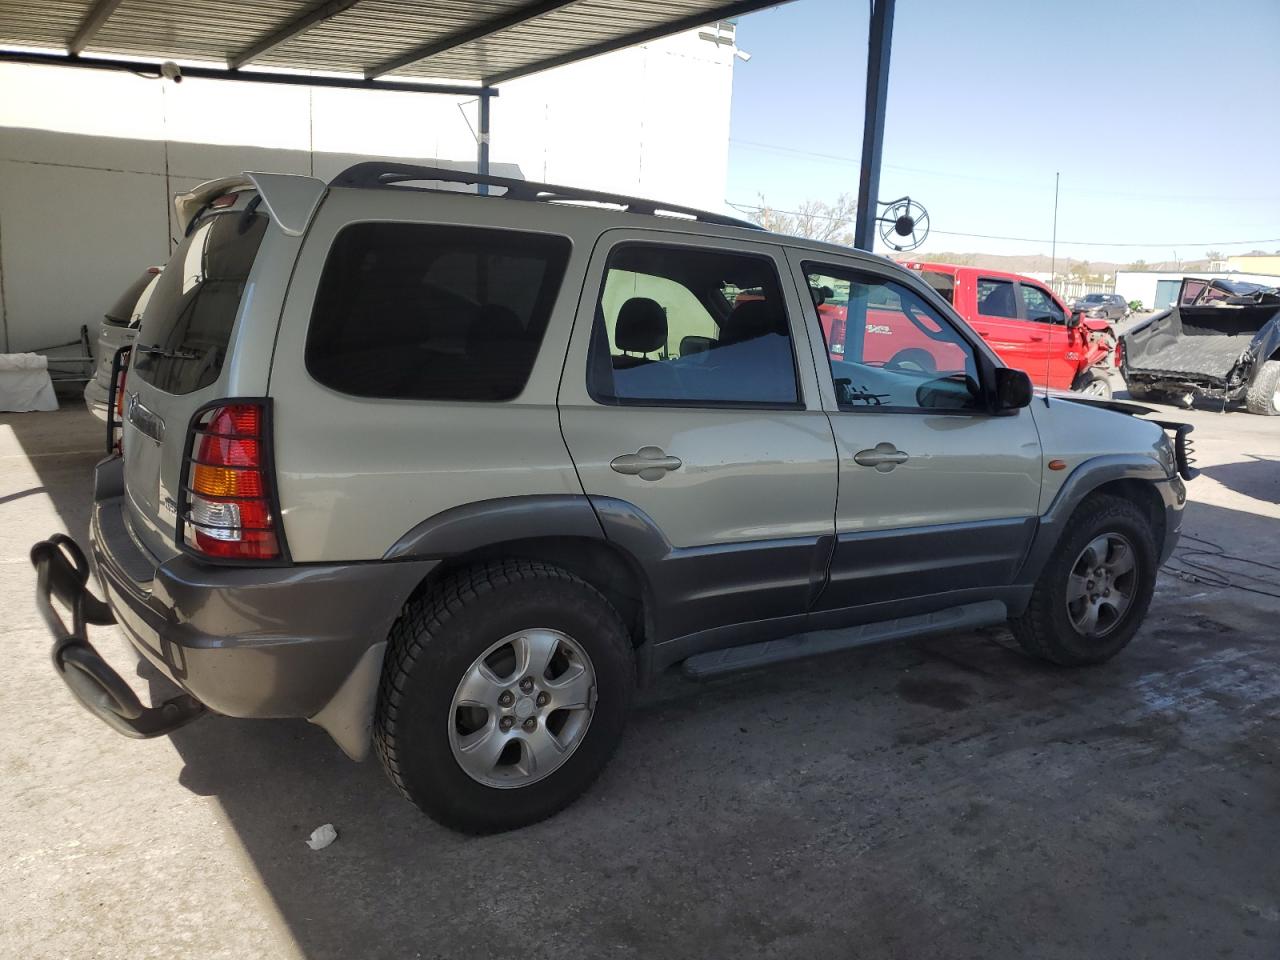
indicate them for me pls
(1102, 585)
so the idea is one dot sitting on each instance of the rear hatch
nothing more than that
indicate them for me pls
(120, 325)
(179, 357)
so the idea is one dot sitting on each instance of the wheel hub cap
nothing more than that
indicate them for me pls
(1101, 585)
(522, 708)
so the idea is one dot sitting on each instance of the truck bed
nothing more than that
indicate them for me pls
(1200, 356)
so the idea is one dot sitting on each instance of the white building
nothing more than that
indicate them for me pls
(90, 159)
(1158, 290)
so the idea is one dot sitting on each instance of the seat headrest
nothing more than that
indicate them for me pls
(641, 326)
(751, 319)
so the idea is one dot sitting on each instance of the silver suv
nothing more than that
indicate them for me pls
(449, 474)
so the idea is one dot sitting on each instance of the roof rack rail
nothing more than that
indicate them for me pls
(374, 174)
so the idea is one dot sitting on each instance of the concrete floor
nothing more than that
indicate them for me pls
(941, 798)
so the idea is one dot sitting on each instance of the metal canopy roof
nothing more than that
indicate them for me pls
(479, 41)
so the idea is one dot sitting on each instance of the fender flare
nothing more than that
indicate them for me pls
(487, 522)
(1082, 481)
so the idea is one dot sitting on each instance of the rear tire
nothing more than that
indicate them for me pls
(429, 712)
(1050, 628)
(1263, 396)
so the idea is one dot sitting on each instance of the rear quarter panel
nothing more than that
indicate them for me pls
(355, 473)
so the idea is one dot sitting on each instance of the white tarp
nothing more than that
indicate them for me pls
(25, 383)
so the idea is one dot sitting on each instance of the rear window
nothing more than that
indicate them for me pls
(944, 283)
(121, 311)
(425, 312)
(184, 336)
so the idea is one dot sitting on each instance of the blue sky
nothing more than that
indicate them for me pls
(1162, 117)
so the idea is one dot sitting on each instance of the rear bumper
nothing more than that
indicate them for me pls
(245, 641)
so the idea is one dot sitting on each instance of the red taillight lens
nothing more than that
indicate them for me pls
(115, 400)
(227, 510)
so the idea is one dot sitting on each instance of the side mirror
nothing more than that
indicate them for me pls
(1013, 389)
(1073, 319)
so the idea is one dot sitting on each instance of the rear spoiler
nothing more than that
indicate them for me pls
(291, 200)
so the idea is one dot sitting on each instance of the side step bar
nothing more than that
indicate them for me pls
(965, 617)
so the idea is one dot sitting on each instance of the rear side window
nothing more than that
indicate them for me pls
(425, 312)
(995, 299)
(944, 283)
(184, 336)
(691, 327)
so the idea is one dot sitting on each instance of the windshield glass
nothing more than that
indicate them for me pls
(184, 336)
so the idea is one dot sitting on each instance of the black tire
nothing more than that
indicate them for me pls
(436, 640)
(1045, 630)
(914, 359)
(1263, 396)
(1095, 383)
(1139, 392)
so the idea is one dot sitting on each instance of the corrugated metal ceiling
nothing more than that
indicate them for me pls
(469, 40)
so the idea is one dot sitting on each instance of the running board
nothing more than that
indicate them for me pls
(964, 617)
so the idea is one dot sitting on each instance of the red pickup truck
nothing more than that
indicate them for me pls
(1020, 318)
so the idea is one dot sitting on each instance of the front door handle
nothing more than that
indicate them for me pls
(883, 456)
(647, 463)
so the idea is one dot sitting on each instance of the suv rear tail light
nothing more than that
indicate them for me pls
(228, 509)
(115, 400)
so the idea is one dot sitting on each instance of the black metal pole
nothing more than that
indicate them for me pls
(482, 144)
(880, 39)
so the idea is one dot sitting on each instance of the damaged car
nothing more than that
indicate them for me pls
(1221, 341)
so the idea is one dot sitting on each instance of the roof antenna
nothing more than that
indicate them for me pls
(1053, 274)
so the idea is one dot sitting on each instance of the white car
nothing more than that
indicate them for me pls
(119, 329)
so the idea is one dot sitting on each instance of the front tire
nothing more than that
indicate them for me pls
(504, 694)
(1095, 383)
(1095, 590)
(1263, 396)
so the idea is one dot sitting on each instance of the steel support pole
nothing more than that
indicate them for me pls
(880, 40)
(482, 144)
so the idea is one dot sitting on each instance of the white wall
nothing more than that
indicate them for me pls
(1141, 284)
(89, 159)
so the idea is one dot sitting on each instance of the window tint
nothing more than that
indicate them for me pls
(121, 311)
(897, 351)
(183, 340)
(690, 327)
(995, 299)
(944, 283)
(422, 312)
(1040, 306)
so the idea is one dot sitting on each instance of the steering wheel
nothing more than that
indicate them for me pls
(912, 360)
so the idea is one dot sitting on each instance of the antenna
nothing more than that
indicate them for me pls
(904, 224)
(1053, 273)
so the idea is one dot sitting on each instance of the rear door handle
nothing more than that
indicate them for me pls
(883, 456)
(647, 463)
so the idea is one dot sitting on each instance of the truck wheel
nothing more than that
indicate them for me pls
(503, 696)
(1094, 592)
(1263, 396)
(1094, 383)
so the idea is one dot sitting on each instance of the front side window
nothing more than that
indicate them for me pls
(1040, 306)
(995, 299)
(690, 327)
(898, 353)
(425, 312)
(187, 328)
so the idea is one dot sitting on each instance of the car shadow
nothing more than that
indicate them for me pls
(1256, 476)
(876, 795)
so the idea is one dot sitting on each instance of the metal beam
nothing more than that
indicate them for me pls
(631, 39)
(879, 43)
(471, 34)
(98, 14)
(290, 30)
(249, 76)
(482, 144)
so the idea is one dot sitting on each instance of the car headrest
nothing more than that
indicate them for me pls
(751, 319)
(641, 327)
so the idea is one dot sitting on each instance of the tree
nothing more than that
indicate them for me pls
(1137, 265)
(813, 219)
(1212, 255)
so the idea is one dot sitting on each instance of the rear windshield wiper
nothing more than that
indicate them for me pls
(155, 350)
